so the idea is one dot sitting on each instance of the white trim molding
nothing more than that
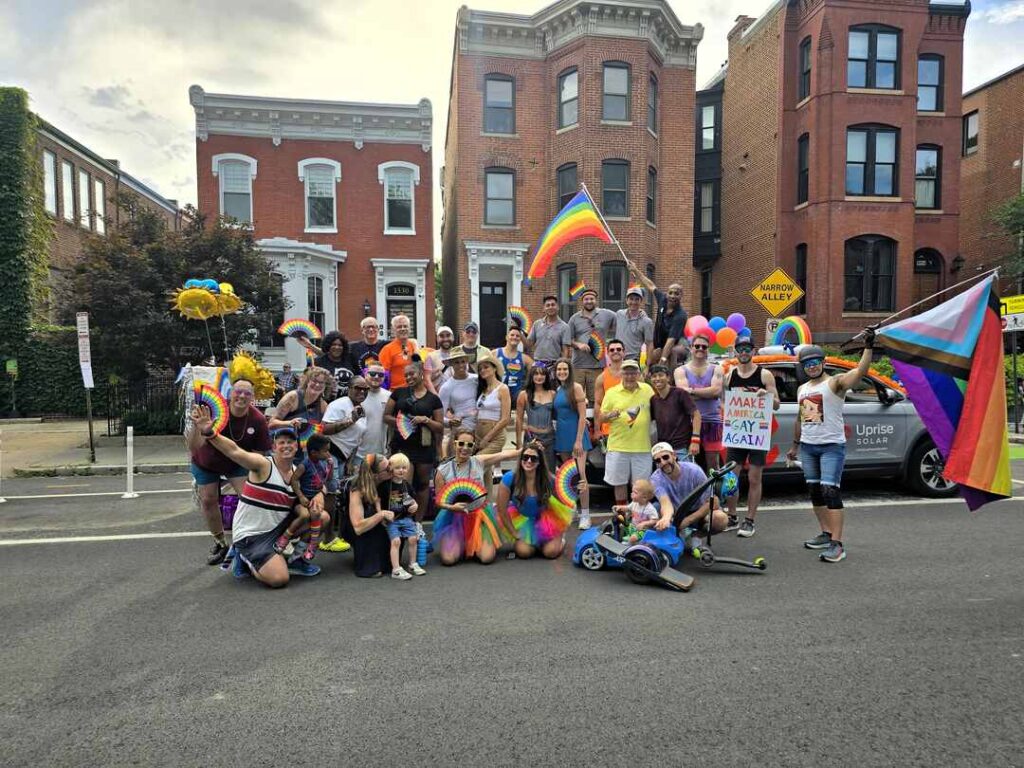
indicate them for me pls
(335, 167)
(276, 245)
(333, 164)
(406, 271)
(382, 173)
(483, 254)
(234, 157)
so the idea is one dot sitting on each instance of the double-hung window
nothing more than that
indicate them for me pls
(67, 190)
(871, 161)
(873, 57)
(236, 173)
(929, 83)
(803, 149)
(568, 98)
(50, 182)
(652, 104)
(84, 212)
(615, 188)
(568, 184)
(615, 92)
(805, 69)
(320, 176)
(499, 104)
(500, 204)
(652, 195)
(927, 177)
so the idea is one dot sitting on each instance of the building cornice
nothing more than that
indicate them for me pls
(536, 37)
(282, 245)
(279, 119)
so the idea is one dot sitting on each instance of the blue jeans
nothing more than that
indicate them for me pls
(823, 463)
(205, 477)
(402, 528)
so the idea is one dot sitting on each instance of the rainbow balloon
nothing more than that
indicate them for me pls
(579, 218)
(597, 346)
(214, 400)
(405, 425)
(311, 428)
(461, 489)
(298, 326)
(792, 324)
(519, 316)
(566, 479)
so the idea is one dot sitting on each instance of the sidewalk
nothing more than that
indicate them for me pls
(62, 448)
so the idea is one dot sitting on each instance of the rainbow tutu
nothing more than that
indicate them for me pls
(468, 531)
(549, 523)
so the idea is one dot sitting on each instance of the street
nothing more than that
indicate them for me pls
(909, 652)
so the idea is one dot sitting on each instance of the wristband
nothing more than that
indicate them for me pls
(694, 439)
(208, 434)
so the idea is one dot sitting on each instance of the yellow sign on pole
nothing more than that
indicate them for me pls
(776, 292)
(1012, 305)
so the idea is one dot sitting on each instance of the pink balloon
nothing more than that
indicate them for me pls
(707, 332)
(736, 321)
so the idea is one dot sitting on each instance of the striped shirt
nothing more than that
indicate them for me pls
(262, 506)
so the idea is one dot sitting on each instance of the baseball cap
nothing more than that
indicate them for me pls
(285, 432)
(471, 326)
(743, 338)
(662, 448)
(631, 364)
(634, 291)
(444, 329)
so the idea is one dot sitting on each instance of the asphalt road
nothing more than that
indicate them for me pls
(129, 652)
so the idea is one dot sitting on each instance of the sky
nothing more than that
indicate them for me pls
(114, 74)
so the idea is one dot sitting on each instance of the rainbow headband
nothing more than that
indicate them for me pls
(215, 401)
(566, 480)
(461, 489)
(299, 327)
(793, 324)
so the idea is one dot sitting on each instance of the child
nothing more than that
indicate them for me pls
(396, 495)
(640, 513)
(310, 481)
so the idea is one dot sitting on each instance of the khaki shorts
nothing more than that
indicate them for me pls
(587, 377)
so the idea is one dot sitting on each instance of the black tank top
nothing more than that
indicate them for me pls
(753, 381)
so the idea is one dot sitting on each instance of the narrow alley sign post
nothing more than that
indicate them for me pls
(85, 363)
(777, 292)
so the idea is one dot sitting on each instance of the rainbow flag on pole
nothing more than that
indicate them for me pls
(577, 290)
(950, 359)
(579, 218)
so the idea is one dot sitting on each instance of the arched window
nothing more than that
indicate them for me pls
(870, 274)
(235, 173)
(315, 294)
(872, 153)
(873, 57)
(805, 69)
(499, 104)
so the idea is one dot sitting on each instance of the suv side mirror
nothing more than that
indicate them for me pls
(890, 395)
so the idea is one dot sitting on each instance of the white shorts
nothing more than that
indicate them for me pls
(621, 467)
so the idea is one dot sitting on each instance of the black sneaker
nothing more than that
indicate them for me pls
(217, 553)
(732, 524)
(746, 528)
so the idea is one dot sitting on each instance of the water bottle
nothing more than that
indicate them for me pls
(421, 550)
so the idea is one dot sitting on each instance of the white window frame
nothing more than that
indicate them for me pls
(84, 212)
(229, 157)
(335, 167)
(99, 204)
(50, 182)
(67, 190)
(382, 172)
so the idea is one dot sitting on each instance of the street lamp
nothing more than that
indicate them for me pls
(367, 308)
(958, 264)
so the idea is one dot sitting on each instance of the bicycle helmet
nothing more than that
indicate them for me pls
(810, 352)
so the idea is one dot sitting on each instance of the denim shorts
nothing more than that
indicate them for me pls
(402, 528)
(823, 463)
(205, 477)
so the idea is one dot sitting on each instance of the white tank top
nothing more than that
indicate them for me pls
(821, 414)
(488, 406)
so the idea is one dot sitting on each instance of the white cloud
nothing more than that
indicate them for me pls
(1007, 13)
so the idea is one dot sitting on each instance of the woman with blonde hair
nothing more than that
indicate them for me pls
(493, 405)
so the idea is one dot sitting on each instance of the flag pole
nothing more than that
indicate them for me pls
(605, 223)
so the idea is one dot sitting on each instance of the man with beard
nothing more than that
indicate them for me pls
(633, 326)
(545, 341)
(435, 365)
(671, 319)
(590, 319)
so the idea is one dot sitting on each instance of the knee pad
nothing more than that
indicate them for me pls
(833, 499)
(817, 497)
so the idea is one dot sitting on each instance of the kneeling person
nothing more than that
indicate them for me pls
(673, 482)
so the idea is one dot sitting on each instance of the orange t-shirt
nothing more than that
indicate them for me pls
(609, 381)
(393, 359)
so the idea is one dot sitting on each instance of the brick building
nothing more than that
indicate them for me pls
(338, 195)
(593, 92)
(80, 194)
(991, 168)
(840, 145)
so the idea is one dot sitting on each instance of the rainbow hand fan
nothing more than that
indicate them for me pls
(405, 425)
(299, 327)
(566, 481)
(311, 428)
(632, 413)
(520, 317)
(597, 346)
(214, 400)
(461, 489)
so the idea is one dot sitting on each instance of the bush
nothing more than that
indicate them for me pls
(155, 422)
(49, 379)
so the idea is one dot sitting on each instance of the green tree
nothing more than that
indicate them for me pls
(126, 282)
(1010, 217)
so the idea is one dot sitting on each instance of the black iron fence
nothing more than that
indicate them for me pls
(151, 407)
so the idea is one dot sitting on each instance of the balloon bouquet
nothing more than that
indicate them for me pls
(203, 299)
(721, 333)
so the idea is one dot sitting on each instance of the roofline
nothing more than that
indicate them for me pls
(284, 103)
(111, 168)
(994, 80)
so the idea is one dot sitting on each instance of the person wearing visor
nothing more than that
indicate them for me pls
(750, 378)
(819, 438)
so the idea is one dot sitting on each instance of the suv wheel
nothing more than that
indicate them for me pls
(924, 472)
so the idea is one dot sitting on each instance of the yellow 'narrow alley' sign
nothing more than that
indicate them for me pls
(776, 292)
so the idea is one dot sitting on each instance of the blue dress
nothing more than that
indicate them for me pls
(567, 420)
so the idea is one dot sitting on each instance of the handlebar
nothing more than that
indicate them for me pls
(723, 470)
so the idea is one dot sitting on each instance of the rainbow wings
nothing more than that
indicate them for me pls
(579, 218)
(950, 359)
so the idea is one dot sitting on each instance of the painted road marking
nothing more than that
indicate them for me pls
(73, 485)
(95, 493)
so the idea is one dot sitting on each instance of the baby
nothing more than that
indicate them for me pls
(639, 514)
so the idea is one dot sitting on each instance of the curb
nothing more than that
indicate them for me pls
(4, 422)
(98, 469)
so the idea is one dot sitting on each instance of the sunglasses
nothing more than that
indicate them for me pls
(812, 363)
(531, 458)
(464, 443)
(360, 389)
(375, 374)
(744, 350)
(700, 346)
(242, 392)
(659, 460)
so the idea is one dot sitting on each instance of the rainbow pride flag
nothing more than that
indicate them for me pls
(579, 218)
(577, 290)
(950, 359)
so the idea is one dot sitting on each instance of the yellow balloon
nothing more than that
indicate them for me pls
(227, 288)
(196, 303)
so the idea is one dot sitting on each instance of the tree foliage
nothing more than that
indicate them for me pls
(1010, 217)
(126, 282)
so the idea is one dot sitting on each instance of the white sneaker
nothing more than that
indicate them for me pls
(584, 521)
(416, 569)
(401, 574)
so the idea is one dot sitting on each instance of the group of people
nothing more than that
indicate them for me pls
(363, 478)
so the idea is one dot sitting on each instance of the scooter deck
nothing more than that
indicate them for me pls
(677, 579)
(617, 548)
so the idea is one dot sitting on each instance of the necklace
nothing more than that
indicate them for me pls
(245, 428)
